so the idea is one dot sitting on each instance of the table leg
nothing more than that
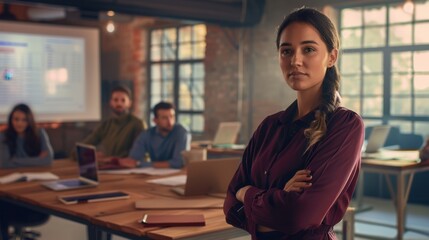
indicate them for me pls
(400, 200)
(400, 208)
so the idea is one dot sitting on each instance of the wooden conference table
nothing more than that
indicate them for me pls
(404, 172)
(117, 217)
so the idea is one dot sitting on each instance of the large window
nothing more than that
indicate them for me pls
(385, 64)
(176, 72)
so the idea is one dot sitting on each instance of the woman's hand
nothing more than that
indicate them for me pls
(241, 193)
(300, 181)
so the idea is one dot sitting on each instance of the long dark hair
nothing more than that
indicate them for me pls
(32, 145)
(331, 82)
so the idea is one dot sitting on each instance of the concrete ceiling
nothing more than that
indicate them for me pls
(238, 13)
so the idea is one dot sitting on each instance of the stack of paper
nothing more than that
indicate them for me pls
(16, 177)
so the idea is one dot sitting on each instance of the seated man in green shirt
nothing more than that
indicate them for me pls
(114, 137)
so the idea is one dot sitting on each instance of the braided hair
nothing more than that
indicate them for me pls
(331, 82)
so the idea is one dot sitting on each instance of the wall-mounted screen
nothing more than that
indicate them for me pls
(54, 69)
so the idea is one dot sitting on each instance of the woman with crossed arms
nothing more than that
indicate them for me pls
(300, 168)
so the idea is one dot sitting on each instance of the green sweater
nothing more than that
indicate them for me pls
(115, 136)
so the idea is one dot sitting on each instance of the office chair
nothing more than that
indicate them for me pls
(20, 218)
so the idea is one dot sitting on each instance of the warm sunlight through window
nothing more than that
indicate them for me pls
(177, 72)
(384, 64)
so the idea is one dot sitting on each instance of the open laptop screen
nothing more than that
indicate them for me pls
(86, 156)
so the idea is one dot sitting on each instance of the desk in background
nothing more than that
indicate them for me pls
(404, 172)
(117, 217)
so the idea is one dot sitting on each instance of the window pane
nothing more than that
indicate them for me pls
(198, 88)
(373, 84)
(155, 87)
(198, 103)
(198, 123)
(400, 106)
(371, 122)
(375, 16)
(198, 70)
(372, 106)
(185, 34)
(421, 33)
(421, 106)
(168, 52)
(351, 103)
(421, 61)
(401, 84)
(404, 126)
(398, 15)
(374, 37)
(156, 37)
(199, 50)
(169, 37)
(351, 38)
(185, 120)
(421, 84)
(422, 128)
(351, 17)
(155, 72)
(168, 98)
(167, 72)
(400, 35)
(422, 10)
(350, 85)
(155, 53)
(401, 62)
(350, 63)
(185, 51)
(185, 88)
(185, 102)
(200, 32)
(373, 62)
(167, 89)
(185, 71)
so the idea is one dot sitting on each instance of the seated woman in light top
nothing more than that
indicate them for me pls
(22, 144)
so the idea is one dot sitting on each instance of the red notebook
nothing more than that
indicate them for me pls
(166, 220)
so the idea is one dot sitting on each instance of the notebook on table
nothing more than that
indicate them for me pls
(210, 177)
(169, 220)
(88, 172)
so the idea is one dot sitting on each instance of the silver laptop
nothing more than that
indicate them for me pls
(375, 142)
(210, 177)
(377, 138)
(88, 172)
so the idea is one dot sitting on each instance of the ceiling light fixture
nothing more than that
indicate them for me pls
(110, 27)
(110, 13)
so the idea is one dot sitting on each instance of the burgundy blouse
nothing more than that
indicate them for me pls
(273, 156)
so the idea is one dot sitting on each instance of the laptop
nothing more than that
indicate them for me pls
(225, 137)
(88, 175)
(376, 140)
(209, 177)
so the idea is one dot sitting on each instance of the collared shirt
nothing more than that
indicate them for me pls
(162, 148)
(115, 136)
(21, 158)
(273, 156)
